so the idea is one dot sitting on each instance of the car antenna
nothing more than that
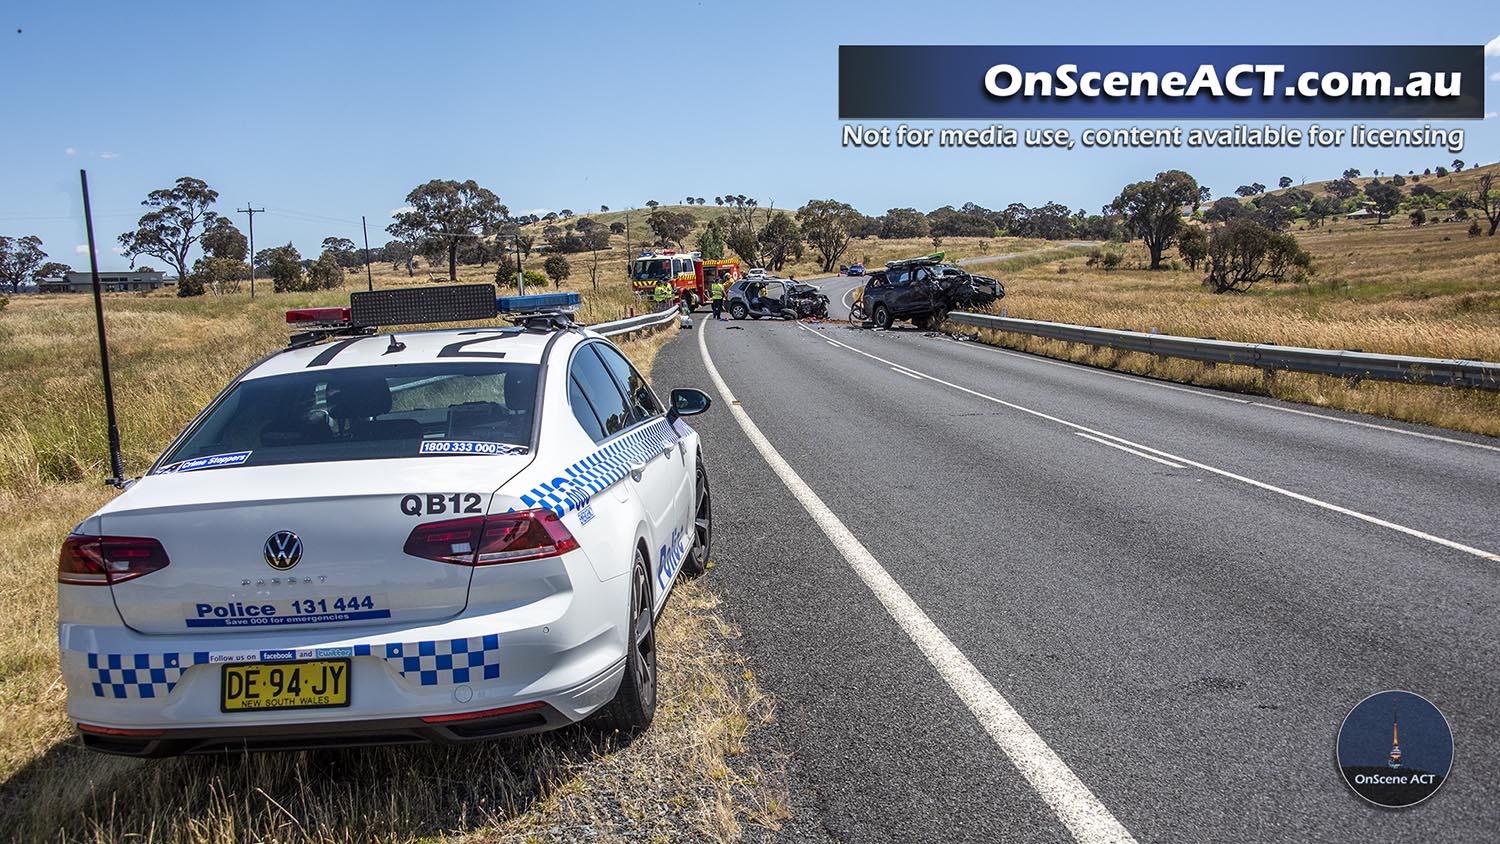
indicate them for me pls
(116, 465)
(395, 346)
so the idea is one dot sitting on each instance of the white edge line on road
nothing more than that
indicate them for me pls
(907, 372)
(1151, 382)
(1074, 804)
(1306, 499)
(1128, 450)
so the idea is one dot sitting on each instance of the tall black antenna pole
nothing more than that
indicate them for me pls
(369, 279)
(116, 465)
(520, 272)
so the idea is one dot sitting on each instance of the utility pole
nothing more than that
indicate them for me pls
(369, 279)
(252, 212)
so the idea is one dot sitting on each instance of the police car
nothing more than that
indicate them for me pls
(440, 535)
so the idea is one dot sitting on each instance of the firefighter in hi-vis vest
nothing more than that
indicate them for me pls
(716, 294)
(662, 292)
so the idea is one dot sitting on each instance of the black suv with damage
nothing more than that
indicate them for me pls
(923, 290)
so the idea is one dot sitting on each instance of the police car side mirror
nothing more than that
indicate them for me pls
(687, 401)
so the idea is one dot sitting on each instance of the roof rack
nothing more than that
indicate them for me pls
(934, 258)
(369, 310)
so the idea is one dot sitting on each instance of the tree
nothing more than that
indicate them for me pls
(1245, 252)
(325, 273)
(221, 274)
(223, 240)
(1344, 188)
(827, 224)
(1276, 211)
(1352, 173)
(710, 242)
(1320, 209)
(52, 269)
(178, 217)
(1418, 217)
(1487, 200)
(557, 269)
(343, 249)
(780, 241)
(1224, 210)
(1442, 171)
(285, 265)
(20, 257)
(1458, 165)
(398, 253)
(671, 226)
(1192, 245)
(651, 203)
(617, 228)
(1205, 193)
(448, 211)
(1250, 190)
(718, 200)
(505, 276)
(1387, 198)
(1152, 210)
(604, 209)
(1284, 182)
(903, 223)
(1398, 180)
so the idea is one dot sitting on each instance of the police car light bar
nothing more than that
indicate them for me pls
(423, 305)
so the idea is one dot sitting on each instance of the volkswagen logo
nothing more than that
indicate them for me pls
(283, 550)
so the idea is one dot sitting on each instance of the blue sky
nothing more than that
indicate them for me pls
(321, 112)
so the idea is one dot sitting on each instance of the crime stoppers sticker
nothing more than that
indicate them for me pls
(1395, 749)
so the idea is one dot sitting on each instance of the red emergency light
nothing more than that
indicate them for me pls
(319, 316)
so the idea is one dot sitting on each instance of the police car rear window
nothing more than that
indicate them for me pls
(365, 413)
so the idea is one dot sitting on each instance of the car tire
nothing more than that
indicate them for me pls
(738, 310)
(882, 317)
(634, 705)
(703, 525)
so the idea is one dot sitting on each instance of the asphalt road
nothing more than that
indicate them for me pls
(1177, 593)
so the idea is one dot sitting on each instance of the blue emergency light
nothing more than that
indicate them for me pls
(538, 303)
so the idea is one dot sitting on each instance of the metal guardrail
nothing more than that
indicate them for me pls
(635, 324)
(1350, 365)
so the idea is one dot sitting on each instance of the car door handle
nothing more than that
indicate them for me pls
(636, 470)
(666, 448)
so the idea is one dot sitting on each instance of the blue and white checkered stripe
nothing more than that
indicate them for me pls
(447, 661)
(426, 663)
(137, 676)
(596, 472)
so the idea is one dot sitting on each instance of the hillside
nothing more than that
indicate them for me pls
(1467, 180)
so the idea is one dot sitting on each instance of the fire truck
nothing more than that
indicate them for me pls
(690, 273)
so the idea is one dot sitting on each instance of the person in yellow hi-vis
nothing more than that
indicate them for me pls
(716, 294)
(662, 293)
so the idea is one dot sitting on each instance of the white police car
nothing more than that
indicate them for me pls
(437, 535)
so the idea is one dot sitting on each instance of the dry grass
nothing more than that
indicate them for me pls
(1429, 291)
(170, 357)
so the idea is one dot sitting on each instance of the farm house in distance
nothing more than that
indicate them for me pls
(116, 282)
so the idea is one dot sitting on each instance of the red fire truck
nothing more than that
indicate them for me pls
(689, 273)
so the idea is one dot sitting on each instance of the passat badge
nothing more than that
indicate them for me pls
(283, 550)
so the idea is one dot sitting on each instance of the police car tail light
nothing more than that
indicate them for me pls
(101, 560)
(484, 541)
(524, 536)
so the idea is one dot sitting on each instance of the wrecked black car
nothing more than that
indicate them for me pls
(922, 290)
(757, 297)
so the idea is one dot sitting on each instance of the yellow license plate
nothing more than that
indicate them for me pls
(261, 686)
